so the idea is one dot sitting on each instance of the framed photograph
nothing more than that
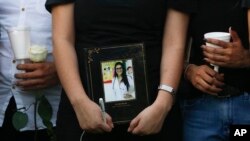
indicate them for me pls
(118, 75)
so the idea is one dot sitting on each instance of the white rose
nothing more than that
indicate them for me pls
(38, 53)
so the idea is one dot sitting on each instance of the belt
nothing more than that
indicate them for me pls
(229, 91)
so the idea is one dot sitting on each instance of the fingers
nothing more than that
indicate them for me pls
(109, 124)
(133, 124)
(29, 66)
(35, 80)
(219, 77)
(106, 128)
(207, 88)
(31, 84)
(213, 50)
(217, 56)
(98, 125)
(220, 43)
(210, 88)
(30, 75)
(207, 80)
(34, 70)
(36, 75)
(214, 53)
(207, 75)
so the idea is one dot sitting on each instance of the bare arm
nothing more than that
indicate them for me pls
(64, 53)
(174, 41)
(151, 119)
(88, 112)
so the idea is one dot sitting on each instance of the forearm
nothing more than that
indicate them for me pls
(172, 54)
(64, 52)
(66, 65)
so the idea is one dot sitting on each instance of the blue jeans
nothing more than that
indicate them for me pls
(208, 118)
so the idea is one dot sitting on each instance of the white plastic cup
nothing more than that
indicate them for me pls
(20, 41)
(223, 36)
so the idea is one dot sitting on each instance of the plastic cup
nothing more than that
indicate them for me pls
(20, 41)
(223, 36)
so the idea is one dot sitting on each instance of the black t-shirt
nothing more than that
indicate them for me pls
(115, 22)
(217, 15)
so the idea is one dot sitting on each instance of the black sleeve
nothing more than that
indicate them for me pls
(50, 3)
(245, 3)
(187, 6)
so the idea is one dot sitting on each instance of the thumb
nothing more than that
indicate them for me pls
(234, 34)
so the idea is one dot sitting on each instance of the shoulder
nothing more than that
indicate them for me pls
(245, 3)
(187, 6)
(50, 3)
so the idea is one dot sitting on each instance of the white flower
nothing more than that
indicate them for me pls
(38, 53)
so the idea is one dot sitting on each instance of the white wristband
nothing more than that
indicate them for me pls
(167, 88)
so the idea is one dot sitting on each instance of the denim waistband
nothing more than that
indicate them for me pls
(229, 91)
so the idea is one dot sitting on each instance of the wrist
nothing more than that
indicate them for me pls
(186, 70)
(81, 98)
(170, 90)
(164, 101)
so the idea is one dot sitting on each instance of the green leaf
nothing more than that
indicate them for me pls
(48, 124)
(19, 120)
(44, 109)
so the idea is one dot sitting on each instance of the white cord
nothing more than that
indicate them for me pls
(82, 135)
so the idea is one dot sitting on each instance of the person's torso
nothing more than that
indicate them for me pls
(107, 22)
(116, 22)
(30, 13)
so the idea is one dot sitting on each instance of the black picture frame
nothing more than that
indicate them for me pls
(98, 59)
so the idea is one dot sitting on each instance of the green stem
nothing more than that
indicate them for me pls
(35, 118)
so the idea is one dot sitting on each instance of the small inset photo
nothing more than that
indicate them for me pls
(118, 80)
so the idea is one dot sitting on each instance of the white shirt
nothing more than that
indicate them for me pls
(120, 89)
(31, 13)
